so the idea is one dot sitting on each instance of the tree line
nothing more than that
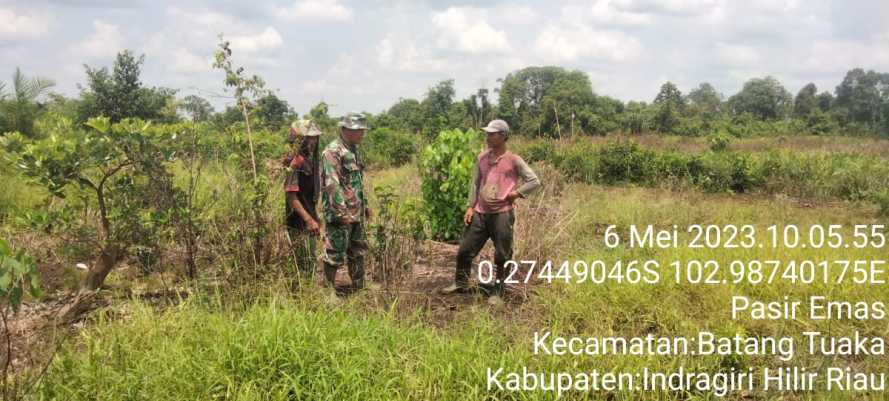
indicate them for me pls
(546, 101)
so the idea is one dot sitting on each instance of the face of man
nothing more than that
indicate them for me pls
(311, 141)
(353, 136)
(495, 139)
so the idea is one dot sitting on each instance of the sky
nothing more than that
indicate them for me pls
(364, 56)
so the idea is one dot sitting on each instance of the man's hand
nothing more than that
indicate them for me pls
(513, 196)
(467, 217)
(345, 220)
(312, 226)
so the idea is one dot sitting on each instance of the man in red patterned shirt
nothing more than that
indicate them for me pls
(301, 193)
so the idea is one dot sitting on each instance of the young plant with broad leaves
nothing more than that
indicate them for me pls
(447, 165)
(119, 175)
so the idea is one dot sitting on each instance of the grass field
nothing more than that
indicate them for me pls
(279, 345)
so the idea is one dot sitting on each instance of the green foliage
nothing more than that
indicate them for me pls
(806, 101)
(273, 112)
(882, 199)
(18, 275)
(447, 164)
(406, 115)
(384, 147)
(813, 176)
(319, 114)
(120, 93)
(669, 105)
(436, 108)
(579, 162)
(764, 98)
(625, 161)
(719, 141)
(705, 100)
(553, 102)
(861, 99)
(538, 150)
(119, 170)
(20, 109)
(396, 233)
(198, 108)
(276, 349)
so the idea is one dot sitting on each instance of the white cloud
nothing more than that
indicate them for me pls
(267, 39)
(838, 56)
(14, 25)
(316, 87)
(673, 7)
(467, 29)
(185, 61)
(569, 43)
(316, 10)
(399, 53)
(606, 12)
(516, 15)
(106, 40)
(737, 55)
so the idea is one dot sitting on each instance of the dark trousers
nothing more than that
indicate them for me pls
(494, 226)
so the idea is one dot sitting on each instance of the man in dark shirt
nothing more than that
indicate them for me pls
(301, 193)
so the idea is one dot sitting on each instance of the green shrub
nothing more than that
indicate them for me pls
(882, 200)
(18, 274)
(538, 151)
(578, 163)
(384, 147)
(719, 141)
(447, 165)
(625, 161)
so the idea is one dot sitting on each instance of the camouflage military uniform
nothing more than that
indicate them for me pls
(345, 211)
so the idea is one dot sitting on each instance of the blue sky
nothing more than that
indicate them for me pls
(363, 56)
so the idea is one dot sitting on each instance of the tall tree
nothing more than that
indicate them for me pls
(119, 94)
(806, 101)
(407, 114)
(320, 115)
(20, 108)
(437, 106)
(198, 108)
(825, 101)
(549, 100)
(705, 99)
(669, 105)
(273, 111)
(861, 96)
(478, 107)
(764, 98)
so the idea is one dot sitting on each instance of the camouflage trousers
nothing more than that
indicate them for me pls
(305, 250)
(345, 244)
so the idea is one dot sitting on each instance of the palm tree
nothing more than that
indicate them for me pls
(20, 110)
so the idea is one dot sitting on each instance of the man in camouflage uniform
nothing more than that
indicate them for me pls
(344, 202)
(301, 194)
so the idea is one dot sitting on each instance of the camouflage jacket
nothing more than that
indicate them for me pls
(342, 183)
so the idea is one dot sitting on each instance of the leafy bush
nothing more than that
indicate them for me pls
(625, 161)
(719, 141)
(123, 170)
(538, 151)
(447, 165)
(578, 163)
(384, 147)
(18, 274)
